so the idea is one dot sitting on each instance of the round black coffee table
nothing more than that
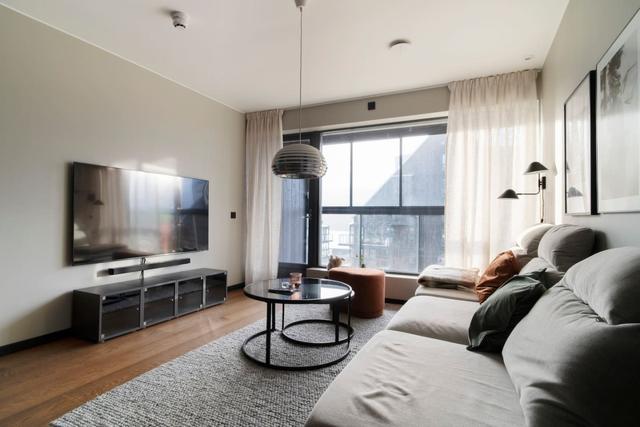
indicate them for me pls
(311, 291)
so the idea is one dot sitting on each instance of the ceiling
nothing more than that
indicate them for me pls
(244, 53)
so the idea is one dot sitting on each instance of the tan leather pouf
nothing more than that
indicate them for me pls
(368, 285)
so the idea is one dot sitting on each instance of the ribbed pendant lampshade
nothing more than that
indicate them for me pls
(299, 161)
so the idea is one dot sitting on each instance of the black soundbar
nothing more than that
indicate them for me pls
(143, 267)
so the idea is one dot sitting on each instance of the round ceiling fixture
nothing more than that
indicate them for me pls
(399, 43)
(299, 161)
(179, 19)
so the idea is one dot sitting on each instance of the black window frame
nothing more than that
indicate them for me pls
(436, 126)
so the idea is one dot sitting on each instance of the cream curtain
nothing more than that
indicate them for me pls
(492, 136)
(263, 192)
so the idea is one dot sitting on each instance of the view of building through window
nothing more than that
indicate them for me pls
(294, 226)
(383, 197)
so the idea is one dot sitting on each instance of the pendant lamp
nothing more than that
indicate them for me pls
(299, 161)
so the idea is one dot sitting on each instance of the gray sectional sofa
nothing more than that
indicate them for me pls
(573, 360)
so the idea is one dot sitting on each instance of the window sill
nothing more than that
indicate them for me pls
(323, 270)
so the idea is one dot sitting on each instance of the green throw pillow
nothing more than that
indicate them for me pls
(500, 313)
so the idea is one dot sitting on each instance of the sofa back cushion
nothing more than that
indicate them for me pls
(564, 245)
(529, 239)
(561, 246)
(609, 282)
(551, 276)
(568, 363)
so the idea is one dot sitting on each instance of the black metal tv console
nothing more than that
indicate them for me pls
(107, 311)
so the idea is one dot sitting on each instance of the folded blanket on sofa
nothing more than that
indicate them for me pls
(439, 276)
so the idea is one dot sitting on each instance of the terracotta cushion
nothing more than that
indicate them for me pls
(501, 269)
(368, 287)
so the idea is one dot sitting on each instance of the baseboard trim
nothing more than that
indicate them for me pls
(32, 342)
(235, 287)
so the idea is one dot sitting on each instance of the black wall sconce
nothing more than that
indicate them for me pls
(533, 168)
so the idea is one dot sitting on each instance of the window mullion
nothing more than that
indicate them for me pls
(351, 173)
(400, 175)
(361, 239)
(420, 242)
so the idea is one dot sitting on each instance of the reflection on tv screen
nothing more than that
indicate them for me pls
(119, 213)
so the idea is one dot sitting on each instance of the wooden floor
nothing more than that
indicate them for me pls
(40, 384)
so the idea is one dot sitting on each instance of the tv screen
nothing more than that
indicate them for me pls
(119, 214)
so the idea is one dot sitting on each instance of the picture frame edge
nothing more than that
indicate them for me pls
(591, 75)
(599, 66)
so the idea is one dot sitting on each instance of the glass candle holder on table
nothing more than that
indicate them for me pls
(295, 279)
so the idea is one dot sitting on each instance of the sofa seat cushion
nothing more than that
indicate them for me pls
(462, 294)
(439, 318)
(404, 380)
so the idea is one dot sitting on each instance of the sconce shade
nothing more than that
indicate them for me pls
(574, 192)
(299, 161)
(535, 167)
(509, 194)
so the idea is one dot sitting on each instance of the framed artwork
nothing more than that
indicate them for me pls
(618, 117)
(580, 148)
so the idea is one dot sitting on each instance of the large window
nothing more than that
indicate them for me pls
(383, 196)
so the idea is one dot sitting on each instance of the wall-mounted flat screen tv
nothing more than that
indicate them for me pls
(120, 213)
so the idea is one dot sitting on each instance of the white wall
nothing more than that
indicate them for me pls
(62, 100)
(587, 29)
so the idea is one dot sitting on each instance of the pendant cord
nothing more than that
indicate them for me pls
(300, 85)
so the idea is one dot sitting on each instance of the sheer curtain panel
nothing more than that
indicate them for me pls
(263, 192)
(492, 137)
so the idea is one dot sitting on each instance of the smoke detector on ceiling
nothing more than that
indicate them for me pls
(179, 19)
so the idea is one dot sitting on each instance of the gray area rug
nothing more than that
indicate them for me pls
(216, 385)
